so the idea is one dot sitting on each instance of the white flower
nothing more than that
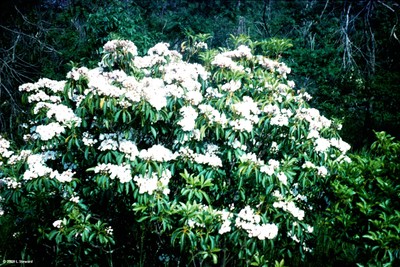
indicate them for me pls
(129, 148)
(247, 108)
(109, 230)
(36, 165)
(123, 173)
(280, 120)
(58, 223)
(251, 157)
(308, 165)
(269, 231)
(282, 178)
(232, 86)
(63, 177)
(322, 144)
(189, 118)
(74, 199)
(224, 61)
(249, 221)
(149, 183)
(201, 45)
(242, 125)
(124, 45)
(88, 139)
(226, 221)
(289, 207)
(108, 145)
(157, 153)
(47, 132)
(313, 134)
(322, 171)
(340, 144)
(4, 146)
(75, 73)
(194, 97)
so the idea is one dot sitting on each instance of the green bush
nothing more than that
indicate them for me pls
(364, 215)
(152, 160)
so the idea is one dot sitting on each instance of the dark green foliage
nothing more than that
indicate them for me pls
(362, 224)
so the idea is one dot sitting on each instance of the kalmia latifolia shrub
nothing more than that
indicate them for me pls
(152, 160)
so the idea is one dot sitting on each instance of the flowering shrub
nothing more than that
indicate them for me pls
(152, 159)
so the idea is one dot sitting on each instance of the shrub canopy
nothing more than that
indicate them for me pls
(152, 158)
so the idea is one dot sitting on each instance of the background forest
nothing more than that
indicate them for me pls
(345, 54)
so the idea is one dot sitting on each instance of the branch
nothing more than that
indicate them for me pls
(323, 11)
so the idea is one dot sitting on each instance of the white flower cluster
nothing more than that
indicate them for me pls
(124, 45)
(184, 73)
(232, 86)
(274, 147)
(77, 73)
(157, 153)
(225, 59)
(288, 206)
(58, 223)
(101, 83)
(109, 230)
(251, 157)
(249, 221)
(340, 144)
(282, 178)
(318, 122)
(61, 113)
(248, 109)
(106, 137)
(242, 51)
(313, 116)
(11, 183)
(47, 132)
(129, 148)
(108, 144)
(74, 199)
(193, 223)
(23, 154)
(162, 49)
(42, 96)
(36, 165)
(188, 122)
(149, 183)
(236, 144)
(201, 45)
(213, 115)
(154, 91)
(88, 139)
(280, 117)
(241, 125)
(63, 177)
(209, 158)
(4, 148)
(274, 66)
(321, 171)
(54, 86)
(225, 217)
(213, 93)
(123, 172)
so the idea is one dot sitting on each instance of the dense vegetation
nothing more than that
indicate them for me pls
(243, 130)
